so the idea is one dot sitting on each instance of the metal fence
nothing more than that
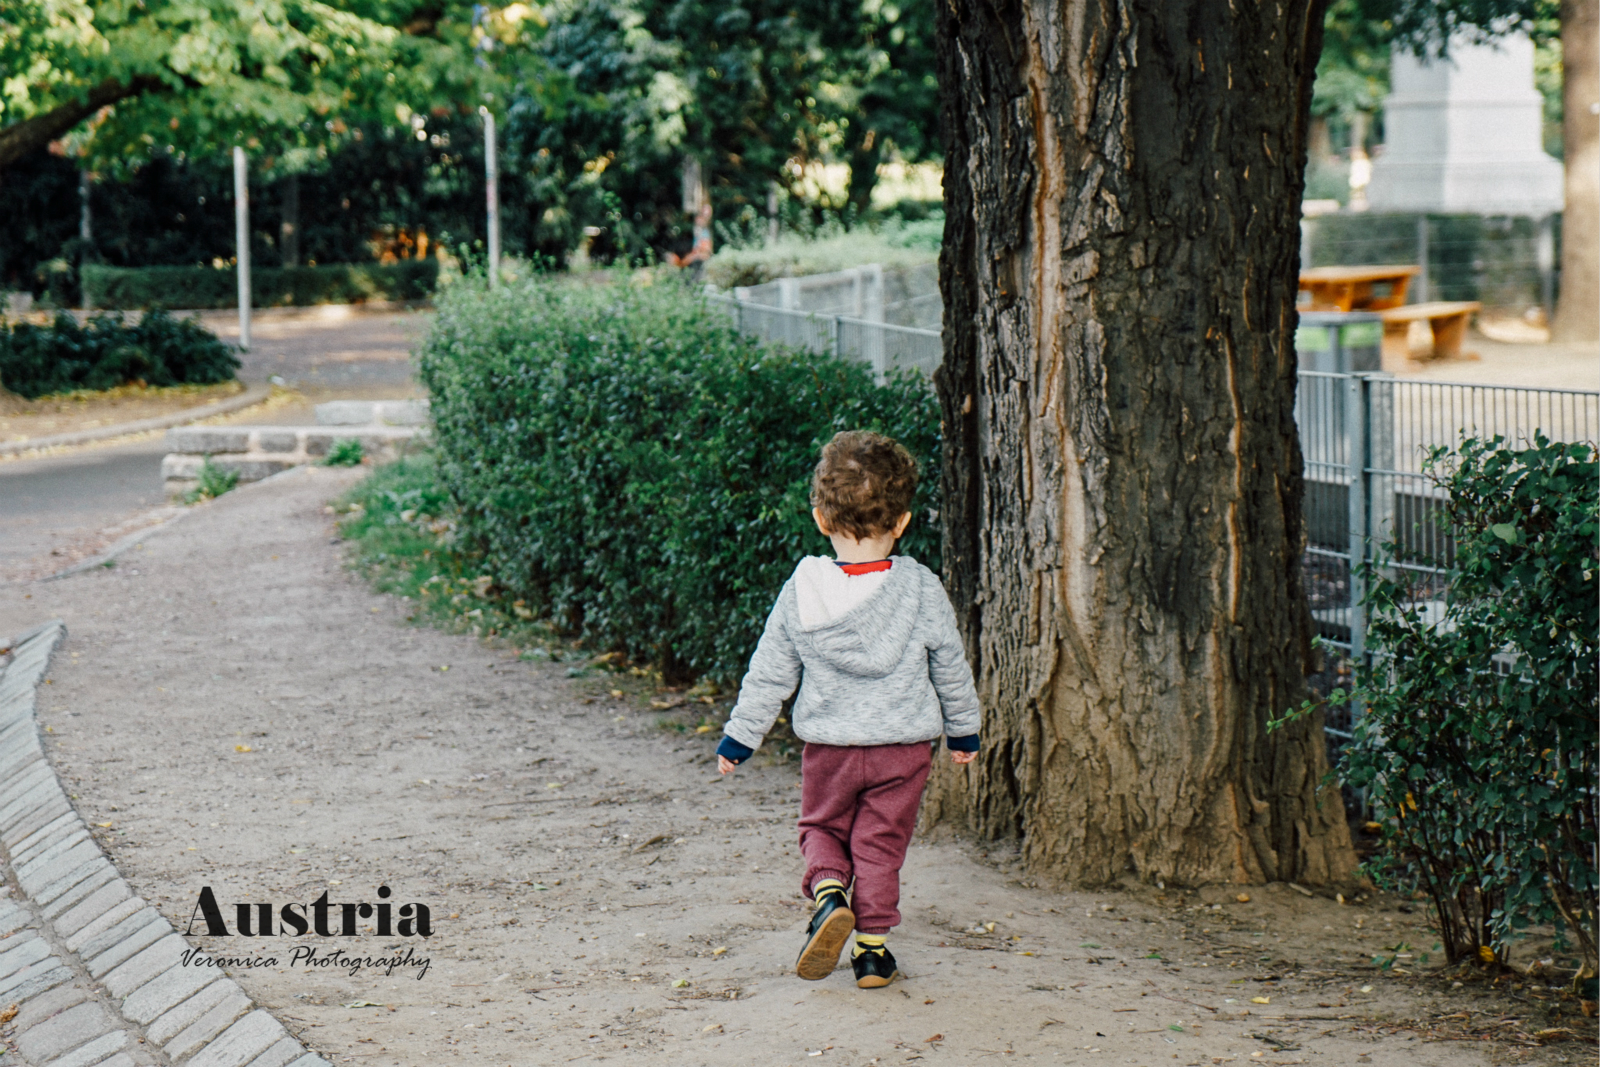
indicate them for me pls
(1364, 438)
(885, 348)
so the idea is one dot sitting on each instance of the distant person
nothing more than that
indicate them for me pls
(869, 640)
(697, 255)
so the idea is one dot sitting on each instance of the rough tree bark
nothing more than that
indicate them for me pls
(1578, 310)
(1122, 473)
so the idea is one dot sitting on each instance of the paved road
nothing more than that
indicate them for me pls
(55, 509)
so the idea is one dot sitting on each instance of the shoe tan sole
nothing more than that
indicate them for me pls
(873, 981)
(821, 954)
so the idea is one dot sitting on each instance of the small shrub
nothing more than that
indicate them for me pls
(345, 452)
(211, 483)
(208, 287)
(37, 361)
(636, 471)
(1478, 745)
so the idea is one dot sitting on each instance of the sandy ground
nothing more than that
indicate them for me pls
(336, 349)
(1490, 362)
(235, 710)
(22, 420)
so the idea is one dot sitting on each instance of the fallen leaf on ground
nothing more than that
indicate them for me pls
(243, 748)
(9, 1014)
(1261, 1000)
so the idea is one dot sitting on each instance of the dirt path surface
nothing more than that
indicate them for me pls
(233, 709)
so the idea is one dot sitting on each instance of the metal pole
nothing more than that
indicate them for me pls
(85, 228)
(1422, 259)
(241, 237)
(1357, 395)
(491, 174)
(1547, 266)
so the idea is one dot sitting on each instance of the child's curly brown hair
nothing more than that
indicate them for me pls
(863, 483)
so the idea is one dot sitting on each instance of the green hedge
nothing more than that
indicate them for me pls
(638, 471)
(161, 350)
(206, 287)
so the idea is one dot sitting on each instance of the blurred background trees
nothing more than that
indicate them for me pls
(362, 124)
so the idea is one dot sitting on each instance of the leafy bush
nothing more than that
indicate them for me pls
(207, 287)
(161, 350)
(637, 471)
(1478, 745)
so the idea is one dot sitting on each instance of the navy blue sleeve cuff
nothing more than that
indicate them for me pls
(734, 752)
(962, 744)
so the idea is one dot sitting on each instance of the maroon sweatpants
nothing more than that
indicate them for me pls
(858, 807)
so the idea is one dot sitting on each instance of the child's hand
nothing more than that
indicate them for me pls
(725, 765)
(963, 757)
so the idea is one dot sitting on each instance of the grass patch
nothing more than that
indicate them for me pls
(212, 482)
(345, 452)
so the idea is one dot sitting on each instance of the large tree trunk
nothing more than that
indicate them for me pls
(1122, 473)
(1578, 311)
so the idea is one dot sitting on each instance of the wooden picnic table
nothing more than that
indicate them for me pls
(1351, 288)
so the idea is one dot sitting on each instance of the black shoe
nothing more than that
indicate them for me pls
(874, 968)
(830, 929)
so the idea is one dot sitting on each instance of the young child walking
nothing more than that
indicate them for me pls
(870, 642)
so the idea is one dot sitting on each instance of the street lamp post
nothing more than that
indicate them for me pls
(491, 173)
(241, 228)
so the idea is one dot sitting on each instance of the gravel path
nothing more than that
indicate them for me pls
(248, 717)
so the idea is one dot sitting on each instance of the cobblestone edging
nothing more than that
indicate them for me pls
(90, 973)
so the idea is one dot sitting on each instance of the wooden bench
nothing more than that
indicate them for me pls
(1447, 318)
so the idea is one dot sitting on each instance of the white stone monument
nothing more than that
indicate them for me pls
(1463, 135)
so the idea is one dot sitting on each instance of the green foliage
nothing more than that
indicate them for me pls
(206, 287)
(635, 470)
(1353, 71)
(1478, 745)
(211, 483)
(345, 452)
(892, 244)
(39, 360)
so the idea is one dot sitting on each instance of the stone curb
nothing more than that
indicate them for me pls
(92, 973)
(255, 394)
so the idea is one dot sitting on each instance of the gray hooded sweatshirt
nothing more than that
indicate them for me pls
(876, 657)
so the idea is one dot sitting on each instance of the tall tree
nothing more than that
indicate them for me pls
(1122, 477)
(890, 89)
(1578, 311)
(231, 67)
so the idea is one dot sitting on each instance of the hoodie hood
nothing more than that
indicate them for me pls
(859, 623)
